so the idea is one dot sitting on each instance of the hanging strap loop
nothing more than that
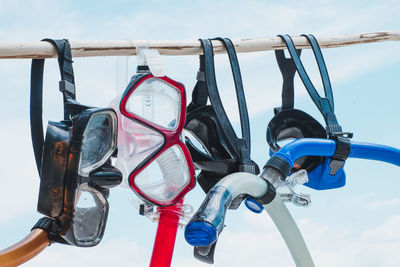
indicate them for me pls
(210, 85)
(324, 104)
(67, 83)
(67, 87)
(288, 70)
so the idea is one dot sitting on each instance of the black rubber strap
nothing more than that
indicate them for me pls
(342, 152)
(64, 61)
(216, 100)
(51, 227)
(214, 95)
(200, 93)
(45, 223)
(67, 83)
(36, 102)
(324, 104)
(241, 99)
(288, 70)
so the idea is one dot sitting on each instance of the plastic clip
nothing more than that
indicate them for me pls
(67, 87)
(298, 199)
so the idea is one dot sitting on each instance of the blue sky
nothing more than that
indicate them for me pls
(353, 226)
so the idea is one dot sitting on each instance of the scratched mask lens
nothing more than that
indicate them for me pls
(90, 216)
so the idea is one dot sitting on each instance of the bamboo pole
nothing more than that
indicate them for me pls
(9, 50)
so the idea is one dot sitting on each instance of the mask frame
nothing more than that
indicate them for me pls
(59, 157)
(171, 137)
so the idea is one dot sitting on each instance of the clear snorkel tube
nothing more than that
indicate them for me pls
(208, 221)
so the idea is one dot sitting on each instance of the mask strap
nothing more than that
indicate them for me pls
(67, 83)
(67, 87)
(288, 70)
(200, 93)
(237, 77)
(240, 145)
(324, 104)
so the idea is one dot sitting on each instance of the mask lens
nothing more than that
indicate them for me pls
(90, 216)
(136, 143)
(166, 177)
(98, 141)
(157, 102)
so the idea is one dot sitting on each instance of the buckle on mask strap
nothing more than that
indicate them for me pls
(341, 153)
(246, 164)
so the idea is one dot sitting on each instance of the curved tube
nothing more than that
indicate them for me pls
(164, 242)
(25, 249)
(326, 147)
(306, 147)
(290, 232)
(208, 222)
(375, 152)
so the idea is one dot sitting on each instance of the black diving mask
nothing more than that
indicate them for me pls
(74, 159)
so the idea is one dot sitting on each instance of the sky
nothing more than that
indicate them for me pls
(356, 225)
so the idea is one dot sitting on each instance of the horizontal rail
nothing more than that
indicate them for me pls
(9, 50)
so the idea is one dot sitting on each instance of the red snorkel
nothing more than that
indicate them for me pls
(164, 243)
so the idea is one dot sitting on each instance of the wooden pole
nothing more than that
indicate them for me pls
(10, 50)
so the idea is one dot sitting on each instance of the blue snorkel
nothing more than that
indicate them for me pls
(208, 221)
(284, 159)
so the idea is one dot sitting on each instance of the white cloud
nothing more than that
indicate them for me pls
(388, 203)
(258, 243)
(120, 252)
